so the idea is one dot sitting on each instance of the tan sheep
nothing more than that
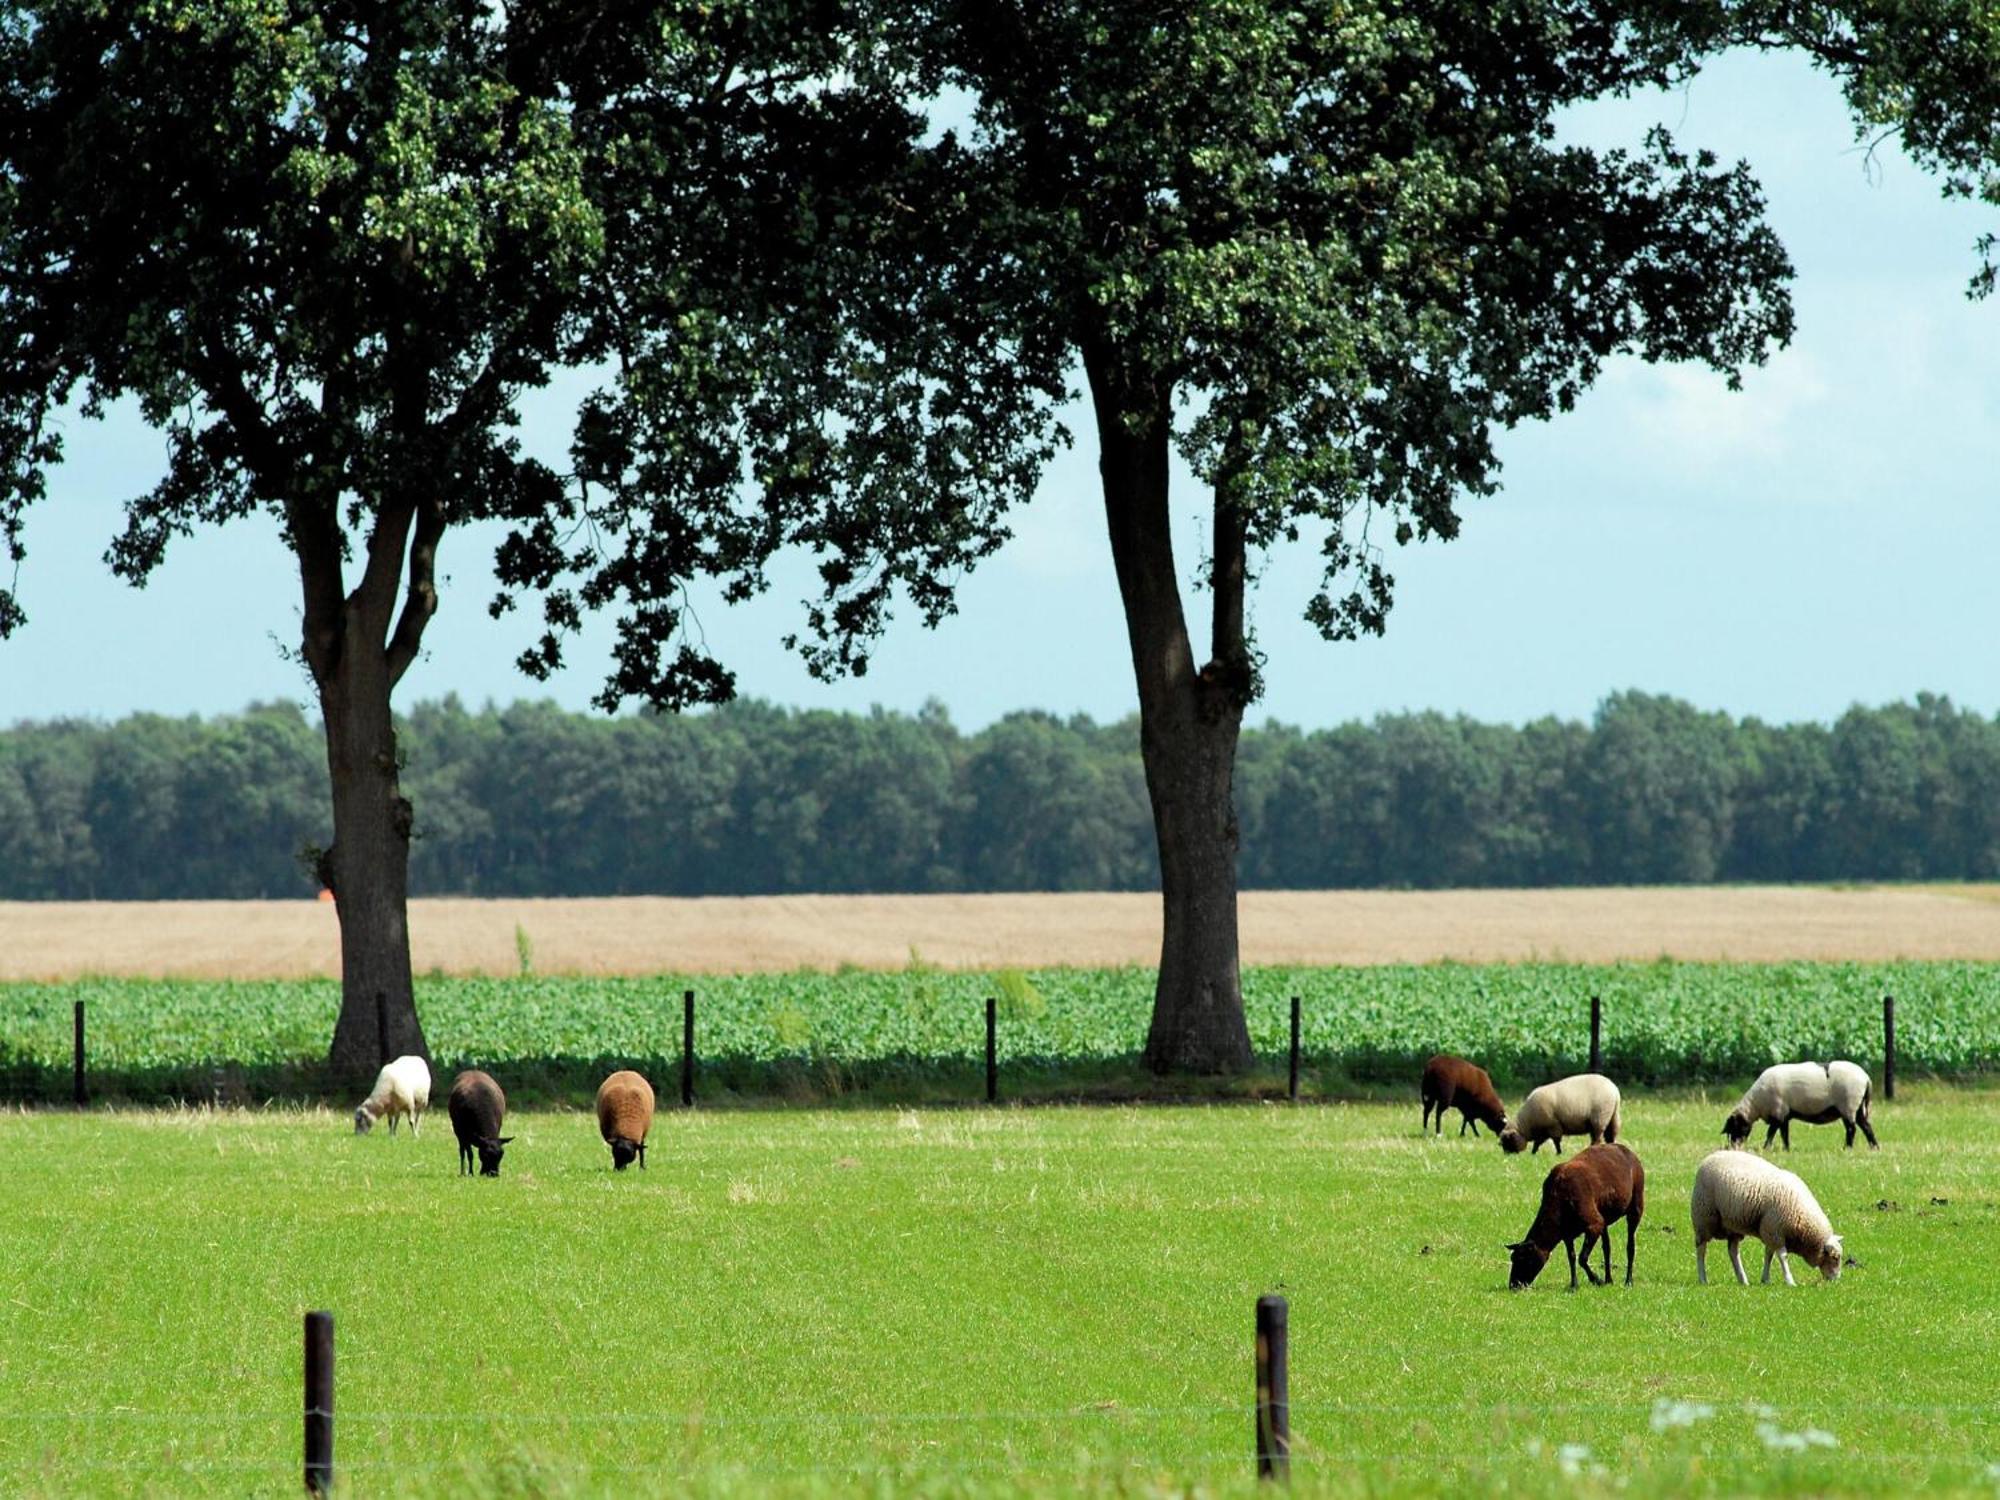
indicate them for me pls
(1738, 1194)
(1582, 1104)
(624, 1115)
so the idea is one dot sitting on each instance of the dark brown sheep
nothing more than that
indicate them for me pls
(477, 1107)
(1584, 1196)
(1452, 1081)
(624, 1115)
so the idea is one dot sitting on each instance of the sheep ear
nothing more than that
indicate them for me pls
(506, 1140)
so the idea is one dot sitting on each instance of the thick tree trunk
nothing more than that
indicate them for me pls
(368, 868)
(1188, 725)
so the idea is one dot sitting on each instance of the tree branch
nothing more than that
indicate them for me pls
(421, 600)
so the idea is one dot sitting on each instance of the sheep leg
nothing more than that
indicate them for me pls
(1631, 1243)
(1770, 1133)
(1604, 1238)
(1736, 1260)
(394, 1121)
(1596, 1135)
(1850, 1133)
(1589, 1244)
(1700, 1262)
(1785, 1128)
(1425, 1128)
(1570, 1246)
(1867, 1130)
(416, 1117)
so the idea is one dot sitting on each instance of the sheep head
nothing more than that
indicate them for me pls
(363, 1121)
(490, 1152)
(623, 1152)
(1832, 1255)
(1737, 1126)
(1529, 1259)
(1512, 1141)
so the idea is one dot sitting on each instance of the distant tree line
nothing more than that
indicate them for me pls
(530, 800)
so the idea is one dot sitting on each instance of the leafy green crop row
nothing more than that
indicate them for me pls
(1664, 1022)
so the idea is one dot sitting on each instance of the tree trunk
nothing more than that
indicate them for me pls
(368, 869)
(1188, 726)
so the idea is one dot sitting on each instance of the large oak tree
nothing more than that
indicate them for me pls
(324, 248)
(1322, 252)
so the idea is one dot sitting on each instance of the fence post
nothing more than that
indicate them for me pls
(1888, 1046)
(81, 1096)
(992, 1050)
(1274, 1402)
(382, 1026)
(1292, 1085)
(1596, 1035)
(687, 1049)
(319, 1402)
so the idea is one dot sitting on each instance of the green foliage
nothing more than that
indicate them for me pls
(524, 950)
(969, 1303)
(532, 801)
(1664, 1022)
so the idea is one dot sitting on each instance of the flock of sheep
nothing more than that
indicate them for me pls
(477, 1105)
(1737, 1194)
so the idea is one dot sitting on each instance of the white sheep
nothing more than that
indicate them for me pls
(1737, 1193)
(1582, 1104)
(1807, 1091)
(403, 1087)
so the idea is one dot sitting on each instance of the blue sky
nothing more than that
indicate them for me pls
(1826, 536)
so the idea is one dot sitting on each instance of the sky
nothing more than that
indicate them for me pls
(1824, 537)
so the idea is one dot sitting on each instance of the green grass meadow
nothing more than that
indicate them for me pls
(970, 1301)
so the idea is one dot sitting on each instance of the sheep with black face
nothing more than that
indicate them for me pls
(477, 1106)
(624, 1115)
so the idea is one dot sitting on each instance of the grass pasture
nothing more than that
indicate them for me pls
(947, 1302)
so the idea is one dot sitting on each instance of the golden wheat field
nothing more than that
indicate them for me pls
(645, 935)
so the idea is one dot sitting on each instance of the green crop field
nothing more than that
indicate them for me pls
(812, 1033)
(966, 1302)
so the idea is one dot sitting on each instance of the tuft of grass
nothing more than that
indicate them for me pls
(970, 1302)
(524, 951)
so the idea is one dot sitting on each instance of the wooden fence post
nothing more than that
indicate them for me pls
(80, 1095)
(992, 1050)
(382, 1027)
(319, 1402)
(1888, 1046)
(687, 1049)
(1274, 1402)
(1596, 1035)
(1292, 1084)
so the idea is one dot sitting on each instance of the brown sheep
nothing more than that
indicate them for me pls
(624, 1115)
(1450, 1081)
(477, 1106)
(1584, 1196)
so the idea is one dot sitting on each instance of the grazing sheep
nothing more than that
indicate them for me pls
(1582, 1104)
(1450, 1081)
(1583, 1196)
(1738, 1194)
(477, 1106)
(1807, 1091)
(403, 1087)
(624, 1115)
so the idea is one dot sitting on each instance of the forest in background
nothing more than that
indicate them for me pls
(532, 800)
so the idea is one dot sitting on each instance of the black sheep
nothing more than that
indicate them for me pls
(477, 1107)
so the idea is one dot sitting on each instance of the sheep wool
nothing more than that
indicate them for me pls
(624, 1115)
(1739, 1195)
(477, 1105)
(1816, 1093)
(1450, 1082)
(1582, 1104)
(403, 1087)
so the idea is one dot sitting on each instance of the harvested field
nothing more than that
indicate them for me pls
(646, 935)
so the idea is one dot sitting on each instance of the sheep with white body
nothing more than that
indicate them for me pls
(403, 1087)
(1817, 1093)
(1738, 1194)
(1582, 1104)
